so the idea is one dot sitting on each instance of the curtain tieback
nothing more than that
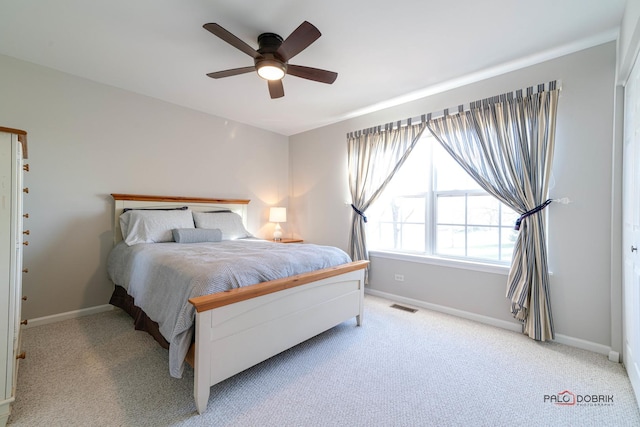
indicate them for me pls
(359, 212)
(531, 212)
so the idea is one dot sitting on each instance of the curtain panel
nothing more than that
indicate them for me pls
(506, 144)
(374, 156)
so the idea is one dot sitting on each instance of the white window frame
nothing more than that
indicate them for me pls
(430, 231)
(466, 194)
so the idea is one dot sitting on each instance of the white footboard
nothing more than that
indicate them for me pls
(234, 337)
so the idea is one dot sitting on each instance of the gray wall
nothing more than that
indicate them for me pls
(87, 140)
(579, 233)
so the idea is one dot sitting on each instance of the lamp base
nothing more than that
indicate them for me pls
(277, 233)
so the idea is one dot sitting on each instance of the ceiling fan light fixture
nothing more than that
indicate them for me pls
(271, 59)
(271, 70)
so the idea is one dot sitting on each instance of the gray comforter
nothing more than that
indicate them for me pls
(161, 277)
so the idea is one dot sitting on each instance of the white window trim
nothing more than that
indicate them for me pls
(443, 262)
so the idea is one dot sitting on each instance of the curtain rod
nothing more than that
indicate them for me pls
(507, 96)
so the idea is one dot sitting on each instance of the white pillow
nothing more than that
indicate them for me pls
(153, 226)
(230, 223)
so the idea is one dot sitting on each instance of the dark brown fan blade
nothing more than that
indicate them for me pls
(234, 41)
(315, 74)
(276, 89)
(232, 72)
(298, 41)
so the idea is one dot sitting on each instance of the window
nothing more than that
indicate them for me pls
(433, 207)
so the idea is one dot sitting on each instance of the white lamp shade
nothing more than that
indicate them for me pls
(278, 214)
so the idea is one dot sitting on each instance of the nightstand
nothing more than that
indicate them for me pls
(287, 241)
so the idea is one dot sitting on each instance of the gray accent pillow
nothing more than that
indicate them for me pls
(197, 235)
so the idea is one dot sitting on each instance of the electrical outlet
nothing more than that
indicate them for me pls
(399, 277)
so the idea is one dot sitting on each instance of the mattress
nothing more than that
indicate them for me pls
(161, 277)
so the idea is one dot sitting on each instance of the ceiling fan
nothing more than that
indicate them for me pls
(271, 60)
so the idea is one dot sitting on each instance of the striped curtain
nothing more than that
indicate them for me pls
(374, 156)
(506, 144)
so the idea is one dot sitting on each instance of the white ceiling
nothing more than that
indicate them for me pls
(383, 51)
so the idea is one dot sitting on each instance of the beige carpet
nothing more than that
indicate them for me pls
(398, 369)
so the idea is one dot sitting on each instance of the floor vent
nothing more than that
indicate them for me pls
(404, 308)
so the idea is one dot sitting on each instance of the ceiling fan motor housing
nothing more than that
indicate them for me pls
(268, 45)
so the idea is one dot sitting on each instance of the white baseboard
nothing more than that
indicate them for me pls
(512, 326)
(68, 315)
(613, 356)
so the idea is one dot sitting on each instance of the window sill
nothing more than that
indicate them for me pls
(443, 262)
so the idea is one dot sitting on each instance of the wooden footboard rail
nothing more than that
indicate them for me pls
(220, 299)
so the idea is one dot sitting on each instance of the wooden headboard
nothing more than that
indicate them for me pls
(136, 201)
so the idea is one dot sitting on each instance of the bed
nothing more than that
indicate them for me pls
(222, 329)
